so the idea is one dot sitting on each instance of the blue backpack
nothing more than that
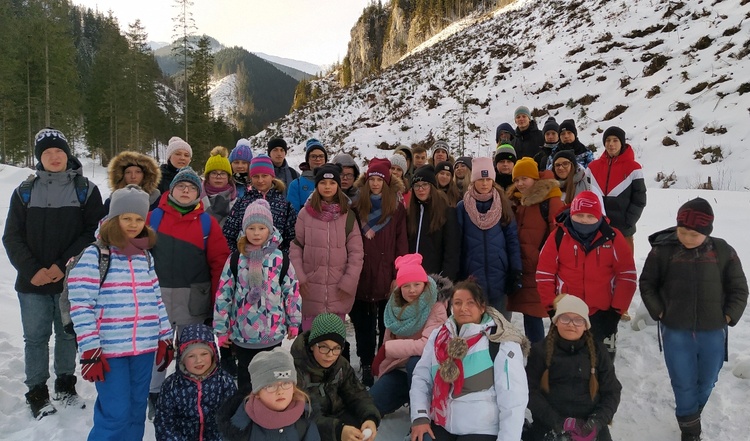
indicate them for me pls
(158, 214)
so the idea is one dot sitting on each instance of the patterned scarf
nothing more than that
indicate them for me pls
(328, 212)
(407, 320)
(240, 178)
(374, 217)
(253, 272)
(272, 419)
(210, 190)
(484, 221)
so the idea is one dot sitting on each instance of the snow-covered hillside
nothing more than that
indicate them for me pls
(304, 66)
(223, 95)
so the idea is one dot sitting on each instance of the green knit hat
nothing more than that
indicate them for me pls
(327, 326)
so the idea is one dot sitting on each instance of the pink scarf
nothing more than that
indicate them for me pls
(328, 212)
(135, 246)
(271, 419)
(484, 221)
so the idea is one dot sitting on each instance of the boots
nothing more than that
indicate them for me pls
(228, 361)
(38, 400)
(65, 392)
(690, 426)
(152, 399)
(367, 378)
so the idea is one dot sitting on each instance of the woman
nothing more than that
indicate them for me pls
(573, 389)
(179, 154)
(133, 168)
(470, 382)
(570, 174)
(444, 176)
(218, 185)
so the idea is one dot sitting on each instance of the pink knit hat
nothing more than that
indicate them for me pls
(409, 269)
(482, 168)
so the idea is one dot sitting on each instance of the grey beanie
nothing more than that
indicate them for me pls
(130, 199)
(399, 161)
(268, 367)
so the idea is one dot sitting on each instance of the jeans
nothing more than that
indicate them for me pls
(533, 327)
(694, 359)
(40, 313)
(391, 391)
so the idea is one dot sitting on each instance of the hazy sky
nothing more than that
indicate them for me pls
(316, 31)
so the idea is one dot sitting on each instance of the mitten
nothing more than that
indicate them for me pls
(94, 365)
(581, 430)
(164, 355)
(513, 282)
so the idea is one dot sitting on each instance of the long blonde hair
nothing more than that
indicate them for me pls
(111, 233)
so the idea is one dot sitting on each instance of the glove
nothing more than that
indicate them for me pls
(554, 435)
(513, 282)
(94, 365)
(581, 430)
(164, 355)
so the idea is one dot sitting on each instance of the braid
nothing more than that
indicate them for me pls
(593, 382)
(549, 345)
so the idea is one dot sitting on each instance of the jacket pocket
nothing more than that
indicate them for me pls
(199, 303)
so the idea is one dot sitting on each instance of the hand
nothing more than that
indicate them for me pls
(224, 341)
(370, 424)
(55, 273)
(418, 431)
(581, 430)
(370, 234)
(164, 355)
(513, 281)
(351, 433)
(304, 290)
(41, 278)
(94, 365)
(292, 333)
(729, 319)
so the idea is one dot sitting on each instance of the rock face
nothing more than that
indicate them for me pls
(365, 50)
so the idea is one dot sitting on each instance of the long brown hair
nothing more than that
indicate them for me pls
(111, 233)
(436, 203)
(389, 203)
(549, 345)
(507, 217)
(452, 193)
(568, 185)
(316, 201)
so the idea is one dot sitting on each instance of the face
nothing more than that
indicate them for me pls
(563, 168)
(240, 166)
(185, 192)
(316, 159)
(54, 160)
(132, 224)
(523, 121)
(570, 326)
(411, 291)
(275, 396)
(613, 145)
(180, 158)
(420, 159)
(376, 184)
(505, 137)
(396, 172)
(505, 166)
(326, 360)
(218, 178)
(465, 308)
(328, 189)
(690, 238)
(262, 182)
(347, 177)
(198, 361)
(460, 170)
(440, 156)
(551, 137)
(278, 154)
(422, 190)
(483, 186)
(585, 218)
(133, 175)
(257, 234)
(524, 184)
(444, 178)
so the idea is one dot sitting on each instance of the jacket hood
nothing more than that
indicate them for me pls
(542, 190)
(664, 237)
(190, 335)
(346, 160)
(444, 287)
(505, 331)
(118, 164)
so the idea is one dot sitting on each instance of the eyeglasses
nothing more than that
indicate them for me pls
(283, 385)
(347, 176)
(325, 349)
(317, 157)
(577, 321)
(565, 164)
(186, 186)
(420, 186)
(218, 174)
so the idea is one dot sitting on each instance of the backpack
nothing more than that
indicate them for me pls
(351, 217)
(81, 185)
(157, 214)
(235, 259)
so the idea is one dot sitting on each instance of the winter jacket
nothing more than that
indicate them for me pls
(285, 174)
(187, 406)
(336, 394)
(439, 249)
(284, 216)
(126, 316)
(619, 181)
(528, 142)
(569, 395)
(495, 392)
(688, 288)
(168, 172)
(533, 231)
(584, 156)
(188, 266)
(51, 228)
(545, 155)
(579, 179)
(329, 262)
(220, 205)
(603, 275)
(488, 255)
(267, 321)
(300, 190)
(151, 175)
(235, 425)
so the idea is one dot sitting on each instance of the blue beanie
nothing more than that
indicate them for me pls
(314, 144)
(242, 151)
(186, 174)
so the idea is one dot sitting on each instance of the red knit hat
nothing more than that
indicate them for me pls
(586, 202)
(380, 167)
(409, 269)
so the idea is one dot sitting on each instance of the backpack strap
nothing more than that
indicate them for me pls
(155, 219)
(233, 263)
(284, 266)
(558, 237)
(206, 227)
(24, 190)
(104, 261)
(82, 188)
(544, 210)
(350, 219)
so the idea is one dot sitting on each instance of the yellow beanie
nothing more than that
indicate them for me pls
(526, 167)
(218, 161)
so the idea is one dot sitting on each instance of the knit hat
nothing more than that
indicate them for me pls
(409, 269)
(405, 151)
(568, 125)
(696, 214)
(314, 144)
(586, 202)
(526, 167)
(550, 124)
(176, 143)
(261, 165)
(505, 151)
(242, 151)
(50, 138)
(327, 326)
(569, 303)
(614, 131)
(465, 160)
(444, 166)
(425, 173)
(328, 171)
(186, 174)
(276, 142)
(440, 145)
(482, 168)
(567, 154)
(504, 127)
(268, 367)
(130, 199)
(346, 160)
(259, 212)
(190, 347)
(380, 167)
(399, 161)
(522, 110)
(218, 161)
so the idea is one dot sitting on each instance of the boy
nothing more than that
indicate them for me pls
(301, 188)
(440, 152)
(569, 141)
(551, 143)
(505, 159)
(529, 138)
(419, 154)
(277, 150)
(462, 173)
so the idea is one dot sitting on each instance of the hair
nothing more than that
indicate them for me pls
(398, 297)
(316, 201)
(389, 204)
(451, 192)
(473, 287)
(418, 149)
(111, 233)
(437, 203)
(550, 343)
(297, 395)
(507, 216)
(568, 185)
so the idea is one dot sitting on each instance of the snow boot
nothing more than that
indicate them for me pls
(38, 400)
(228, 361)
(367, 378)
(690, 427)
(65, 392)
(152, 399)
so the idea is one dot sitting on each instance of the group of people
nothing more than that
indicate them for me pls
(427, 256)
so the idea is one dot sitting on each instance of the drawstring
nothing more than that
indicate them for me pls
(419, 225)
(658, 337)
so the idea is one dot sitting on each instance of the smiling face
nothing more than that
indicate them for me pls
(198, 361)
(562, 168)
(240, 166)
(180, 158)
(54, 160)
(262, 182)
(132, 224)
(465, 308)
(133, 175)
(460, 170)
(570, 326)
(326, 360)
(443, 178)
(279, 399)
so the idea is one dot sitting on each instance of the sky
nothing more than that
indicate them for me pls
(316, 31)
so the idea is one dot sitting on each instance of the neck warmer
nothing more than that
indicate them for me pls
(584, 233)
(240, 178)
(328, 212)
(484, 221)
(253, 272)
(210, 190)
(182, 208)
(135, 246)
(374, 217)
(407, 320)
(271, 419)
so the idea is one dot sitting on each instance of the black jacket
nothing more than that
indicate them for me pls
(440, 249)
(168, 172)
(528, 142)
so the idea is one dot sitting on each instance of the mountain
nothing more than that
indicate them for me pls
(169, 63)
(155, 45)
(302, 66)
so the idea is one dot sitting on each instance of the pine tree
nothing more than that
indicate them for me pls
(183, 29)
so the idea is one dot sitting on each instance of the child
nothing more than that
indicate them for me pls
(138, 169)
(551, 144)
(573, 389)
(343, 409)
(569, 141)
(349, 174)
(256, 305)
(569, 174)
(444, 176)
(462, 174)
(121, 324)
(440, 153)
(529, 139)
(412, 312)
(179, 153)
(505, 159)
(277, 150)
(240, 160)
(218, 185)
(190, 398)
(694, 285)
(419, 153)
(301, 188)
(275, 410)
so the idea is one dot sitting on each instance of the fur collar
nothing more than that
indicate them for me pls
(151, 170)
(542, 190)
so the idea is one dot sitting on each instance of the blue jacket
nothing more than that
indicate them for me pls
(300, 189)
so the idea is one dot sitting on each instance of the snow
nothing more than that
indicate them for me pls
(304, 66)
(223, 95)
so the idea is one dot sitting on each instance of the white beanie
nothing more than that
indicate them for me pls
(176, 143)
(569, 303)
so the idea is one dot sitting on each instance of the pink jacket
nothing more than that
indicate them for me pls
(398, 350)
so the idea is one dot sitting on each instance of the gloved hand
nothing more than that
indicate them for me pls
(164, 355)
(580, 429)
(554, 435)
(94, 365)
(513, 282)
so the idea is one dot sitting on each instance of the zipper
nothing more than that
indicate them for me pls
(135, 301)
(507, 379)
(486, 259)
(201, 419)
(419, 226)
(328, 262)
(575, 253)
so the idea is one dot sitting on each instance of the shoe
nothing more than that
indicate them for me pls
(152, 399)
(38, 400)
(229, 364)
(367, 378)
(65, 392)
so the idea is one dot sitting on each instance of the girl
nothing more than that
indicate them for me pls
(398, 171)
(489, 246)
(179, 153)
(240, 160)
(412, 312)
(349, 175)
(570, 174)
(444, 176)
(432, 226)
(256, 305)
(566, 397)
(137, 169)
(536, 202)
(218, 184)
(121, 324)
(275, 410)
(462, 174)
(384, 232)
(327, 252)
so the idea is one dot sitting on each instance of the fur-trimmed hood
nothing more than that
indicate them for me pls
(118, 164)
(542, 190)
(444, 287)
(397, 185)
(506, 331)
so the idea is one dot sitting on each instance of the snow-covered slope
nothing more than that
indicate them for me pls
(304, 66)
(223, 94)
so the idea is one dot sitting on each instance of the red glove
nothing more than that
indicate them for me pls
(94, 365)
(164, 355)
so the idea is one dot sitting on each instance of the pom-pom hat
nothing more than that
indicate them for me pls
(259, 212)
(177, 143)
(242, 151)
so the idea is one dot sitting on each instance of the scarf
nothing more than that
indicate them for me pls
(374, 217)
(210, 190)
(407, 320)
(449, 352)
(240, 178)
(253, 272)
(328, 212)
(271, 419)
(484, 221)
(135, 246)
(182, 209)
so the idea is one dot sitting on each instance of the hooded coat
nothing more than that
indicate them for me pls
(528, 142)
(151, 175)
